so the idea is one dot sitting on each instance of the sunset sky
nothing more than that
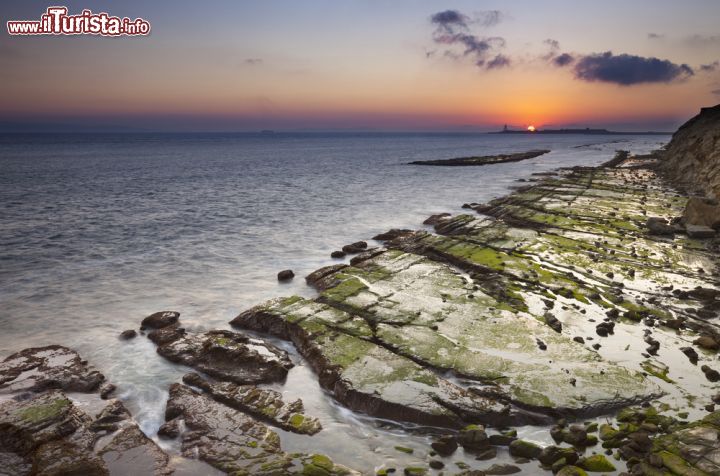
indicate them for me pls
(366, 65)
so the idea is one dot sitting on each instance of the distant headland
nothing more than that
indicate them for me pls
(586, 131)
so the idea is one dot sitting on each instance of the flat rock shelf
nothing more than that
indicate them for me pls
(482, 160)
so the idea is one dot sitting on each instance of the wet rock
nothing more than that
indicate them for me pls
(707, 342)
(230, 356)
(579, 339)
(357, 247)
(710, 374)
(40, 368)
(233, 442)
(571, 471)
(486, 454)
(501, 469)
(170, 429)
(551, 454)
(659, 226)
(553, 322)
(347, 364)
(435, 219)
(52, 435)
(128, 334)
(131, 451)
(166, 334)
(690, 449)
(699, 231)
(473, 437)
(605, 328)
(436, 464)
(392, 234)
(525, 449)
(445, 445)
(501, 440)
(338, 254)
(596, 464)
(161, 319)
(285, 275)
(690, 353)
(107, 390)
(262, 403)
(324, 278)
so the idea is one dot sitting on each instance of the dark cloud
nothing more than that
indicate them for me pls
(452, 30)
(563, 60)
(554, 56)
(627, 70)
(716, 91)
(253, 61)
(449, 20)
(499, 61)
(711, 67)
(655, 36)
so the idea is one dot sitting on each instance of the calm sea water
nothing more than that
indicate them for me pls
(97, 231)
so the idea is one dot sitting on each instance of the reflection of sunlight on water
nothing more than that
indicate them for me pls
(98, 234)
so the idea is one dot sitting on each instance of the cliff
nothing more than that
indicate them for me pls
(692, 158)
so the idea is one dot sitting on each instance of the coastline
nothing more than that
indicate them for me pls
(494, 280)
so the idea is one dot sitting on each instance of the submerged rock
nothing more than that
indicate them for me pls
(229, 356)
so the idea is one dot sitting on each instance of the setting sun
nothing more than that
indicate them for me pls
(531, 128)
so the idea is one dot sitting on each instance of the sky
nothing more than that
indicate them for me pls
(391, 65)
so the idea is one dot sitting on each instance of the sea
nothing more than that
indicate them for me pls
(98, 231)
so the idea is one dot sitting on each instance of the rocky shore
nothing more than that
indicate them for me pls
(585, 304)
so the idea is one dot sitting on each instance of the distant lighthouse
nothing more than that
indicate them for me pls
(505, 129)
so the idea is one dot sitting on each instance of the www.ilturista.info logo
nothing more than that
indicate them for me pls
(56, 21)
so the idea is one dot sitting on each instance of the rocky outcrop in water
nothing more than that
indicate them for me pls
(484, 160)
(43, 430)
(226, 355)
(235, 443)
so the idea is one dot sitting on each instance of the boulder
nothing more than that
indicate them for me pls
(659, 226)
(229, 356)
(161, 319)
(285, 275)
(356, 247)
(707, 342)
(128, 334)
(525, 449)
(702, 212)
(699, 231)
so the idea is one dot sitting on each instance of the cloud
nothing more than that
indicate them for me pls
(554, 56)
(655, 36)
(499, 61)
(711, 67)
(627, 70)
(563, 60)
(253, 61)
(703, 41)
(716, 92)
(452, 30)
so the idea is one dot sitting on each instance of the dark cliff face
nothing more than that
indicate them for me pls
(693, 155)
